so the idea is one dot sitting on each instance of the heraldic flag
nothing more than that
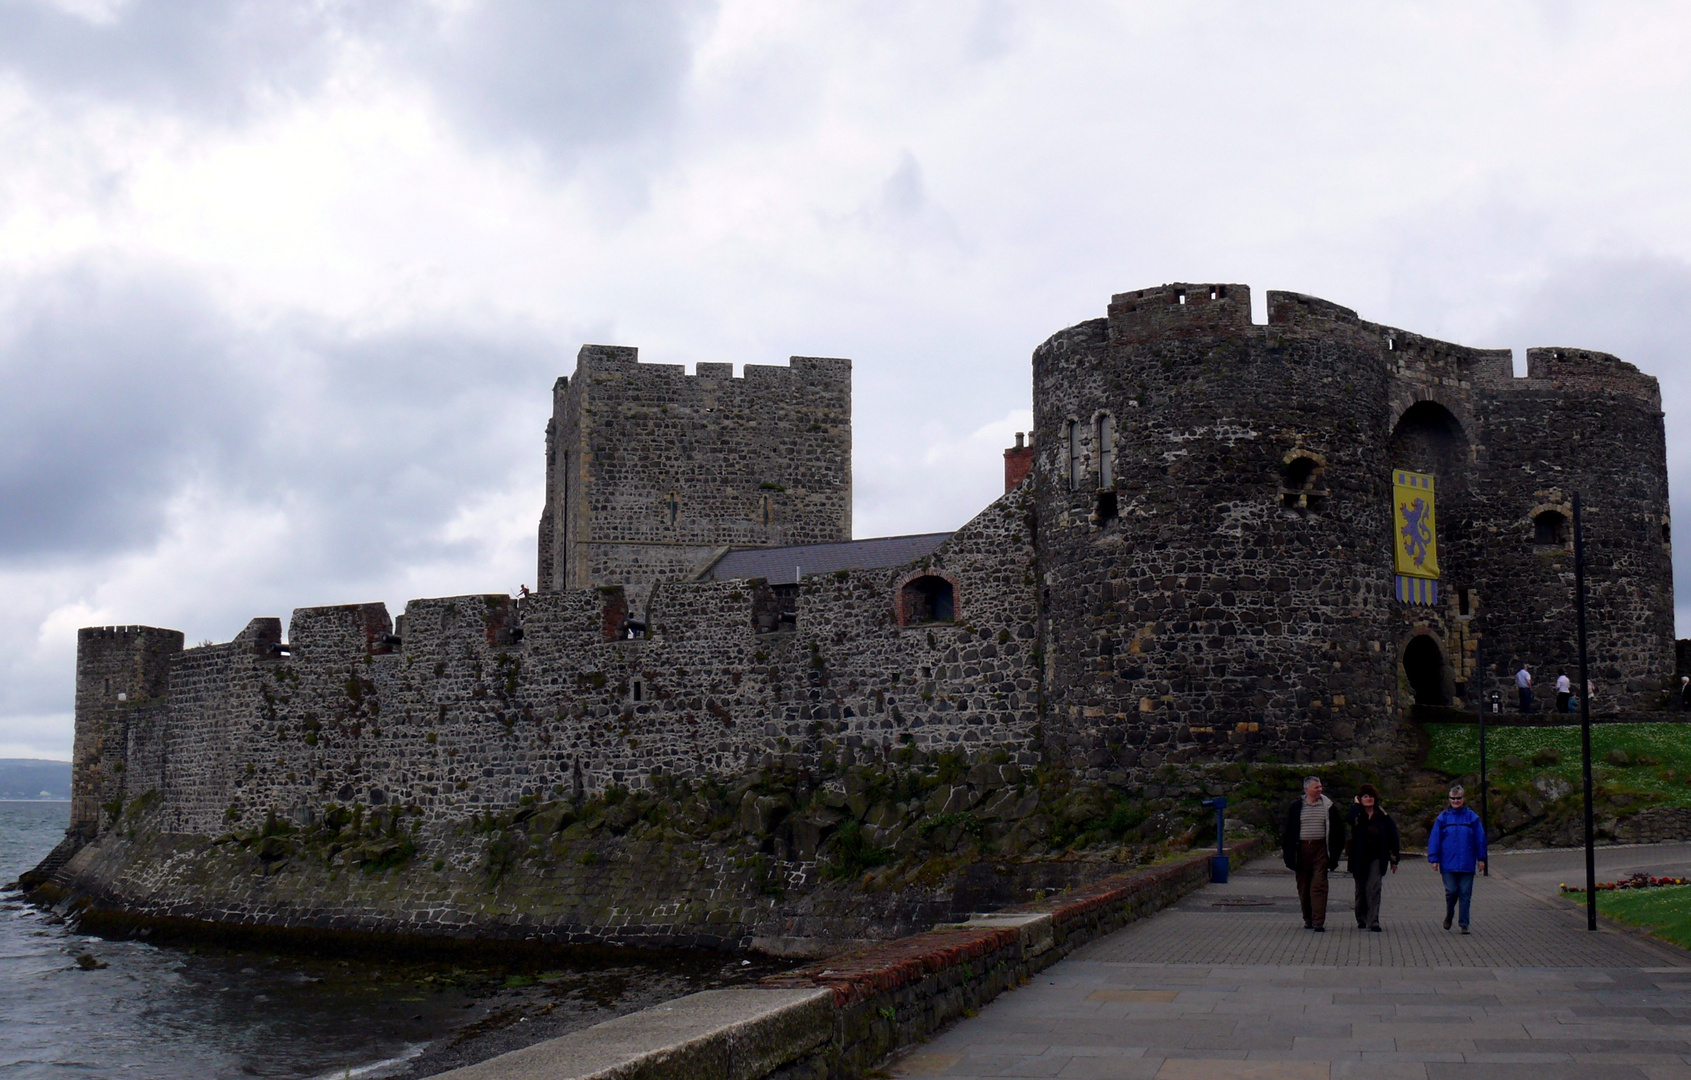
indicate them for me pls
(1417, 555)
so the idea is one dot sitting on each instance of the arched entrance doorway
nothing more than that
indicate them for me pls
(1429, 676)
(1428, 438)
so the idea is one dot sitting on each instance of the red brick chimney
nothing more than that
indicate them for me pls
(1018, 461)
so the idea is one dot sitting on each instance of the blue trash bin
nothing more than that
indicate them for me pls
(1218, 861)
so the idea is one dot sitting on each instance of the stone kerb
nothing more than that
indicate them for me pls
(837, 1018)
(739, 1033)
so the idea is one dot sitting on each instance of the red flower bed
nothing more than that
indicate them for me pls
(1636, 881)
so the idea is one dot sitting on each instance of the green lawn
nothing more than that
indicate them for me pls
(1661, 756)
(1665, 911)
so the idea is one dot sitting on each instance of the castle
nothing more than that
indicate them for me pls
(1199, 558)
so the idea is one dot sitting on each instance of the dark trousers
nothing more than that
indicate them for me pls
(1526, 699)
(1368, 878)
(1312, 881)
(1562, 697)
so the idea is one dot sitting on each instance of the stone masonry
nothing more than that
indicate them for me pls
(1231, 584)
(1196, 568)
(650, 472)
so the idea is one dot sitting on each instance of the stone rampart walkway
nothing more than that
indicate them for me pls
(1229, 984)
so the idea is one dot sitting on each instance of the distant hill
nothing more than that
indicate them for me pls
(31, 778)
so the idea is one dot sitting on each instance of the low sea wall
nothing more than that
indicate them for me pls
(836, 1019)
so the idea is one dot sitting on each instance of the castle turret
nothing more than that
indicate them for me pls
(651, 472)
(1219, 525)
(119, 670)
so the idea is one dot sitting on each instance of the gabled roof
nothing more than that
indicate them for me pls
(785, 565)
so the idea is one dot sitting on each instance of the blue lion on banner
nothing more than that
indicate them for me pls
(1417, 531)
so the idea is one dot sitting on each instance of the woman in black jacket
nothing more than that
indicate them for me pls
(1373, 846)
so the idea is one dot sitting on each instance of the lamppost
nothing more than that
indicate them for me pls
(1584, 720)
(1479, 709)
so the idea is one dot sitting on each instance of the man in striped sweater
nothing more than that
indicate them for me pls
(1311, 840)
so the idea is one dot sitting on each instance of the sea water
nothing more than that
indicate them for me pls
(172, 1011)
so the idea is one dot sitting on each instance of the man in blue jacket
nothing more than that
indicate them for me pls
(1456, 849)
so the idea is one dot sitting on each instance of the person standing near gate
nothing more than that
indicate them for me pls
(1310, 842)
(1523, 683)
(1373, 847)
(1456, 849)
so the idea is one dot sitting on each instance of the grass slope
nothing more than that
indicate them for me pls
(1660, 756)
(1665, 912)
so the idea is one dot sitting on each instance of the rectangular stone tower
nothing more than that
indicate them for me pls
(651, 472)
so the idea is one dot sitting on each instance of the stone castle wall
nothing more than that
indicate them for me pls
(651, 471)
(484, 700)
(1196, 569)
(1231, 585)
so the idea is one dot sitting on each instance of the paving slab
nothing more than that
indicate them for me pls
(1227, 983)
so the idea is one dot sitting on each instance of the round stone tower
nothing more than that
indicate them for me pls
(1211, 507)
(1218, 540)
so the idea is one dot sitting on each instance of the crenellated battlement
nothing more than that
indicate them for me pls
(651, 471)
(1584, 371)
(1179, 309)
(621, 361)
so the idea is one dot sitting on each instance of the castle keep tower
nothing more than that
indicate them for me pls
(651, 473)
(1218, 524)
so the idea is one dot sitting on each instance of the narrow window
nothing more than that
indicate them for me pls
(1465, 601)
(928, 599)
(1106, 509)
(1549, 529)
(1106, 451)
(767, 516)
(1215, 292)
(638, 690)
(674, 506)
(1300, 488)
(1071, 438)
(1181, 296)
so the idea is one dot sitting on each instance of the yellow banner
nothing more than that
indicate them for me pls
(1417, 540)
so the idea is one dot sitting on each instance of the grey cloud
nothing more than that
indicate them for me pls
(204, 57)
(562, 75)
(559, 75)
(120, 390)
(107, 395)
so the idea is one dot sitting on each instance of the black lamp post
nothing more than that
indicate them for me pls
(1584, 721)
(1479, 709)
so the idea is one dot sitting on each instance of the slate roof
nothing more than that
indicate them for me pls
(784, 565)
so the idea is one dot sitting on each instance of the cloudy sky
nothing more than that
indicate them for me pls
(283, 286)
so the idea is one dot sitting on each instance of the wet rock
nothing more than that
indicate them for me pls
(1512, 816)
(89, 962)
(939, 799)
(1553, 788)
(1529, 800)
(622, 815)
(806, 838)
(769, 810)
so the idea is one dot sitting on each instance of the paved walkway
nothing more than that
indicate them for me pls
(1229, 984)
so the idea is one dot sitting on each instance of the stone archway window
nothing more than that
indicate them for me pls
(1300, 481)
(1428, 673)
(1549, 529)
(927, 599)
